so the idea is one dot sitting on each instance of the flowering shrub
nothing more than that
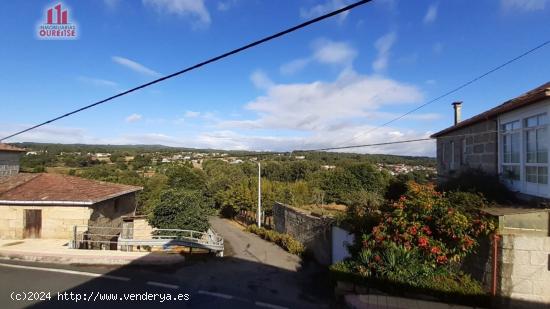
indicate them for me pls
(421, 238)
(424, 221)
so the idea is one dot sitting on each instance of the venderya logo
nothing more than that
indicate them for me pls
(57, 25)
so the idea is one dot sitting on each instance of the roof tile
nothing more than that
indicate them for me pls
(56, 187)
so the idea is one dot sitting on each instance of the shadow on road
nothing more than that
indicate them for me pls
(209, 282)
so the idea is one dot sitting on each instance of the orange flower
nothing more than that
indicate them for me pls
(422, 242)
(441, 259)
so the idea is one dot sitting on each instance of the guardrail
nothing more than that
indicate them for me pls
(127, 238)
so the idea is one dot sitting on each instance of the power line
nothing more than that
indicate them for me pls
(454, 89)
(196, 66)
(366, 145)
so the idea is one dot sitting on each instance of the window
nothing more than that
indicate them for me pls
(536, 149)
(452, 155)
(511, 145)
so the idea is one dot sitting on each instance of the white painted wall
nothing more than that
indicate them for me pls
(340, 241)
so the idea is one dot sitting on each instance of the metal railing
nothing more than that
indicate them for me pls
(128, 238)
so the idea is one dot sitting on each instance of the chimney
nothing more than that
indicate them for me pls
(458, 111)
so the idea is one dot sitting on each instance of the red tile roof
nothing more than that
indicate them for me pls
(53, 189)
(6, 147)
(540, 93)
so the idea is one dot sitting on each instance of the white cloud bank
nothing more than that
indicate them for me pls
(135, 66)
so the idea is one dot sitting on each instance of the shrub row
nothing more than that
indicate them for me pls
(458, 287)
(284, 241)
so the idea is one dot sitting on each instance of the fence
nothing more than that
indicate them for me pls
(247, 217)
(114, 238)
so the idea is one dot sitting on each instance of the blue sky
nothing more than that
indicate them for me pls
(320, 87)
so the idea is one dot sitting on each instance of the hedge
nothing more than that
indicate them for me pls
(284, 241)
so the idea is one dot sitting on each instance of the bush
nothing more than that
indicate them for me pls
(421, 239)
(181, 209)
(284, 241)
(477, 181)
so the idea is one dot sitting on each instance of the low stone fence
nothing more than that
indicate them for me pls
(313, 232)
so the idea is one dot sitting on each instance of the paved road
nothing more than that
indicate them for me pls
(253, 274)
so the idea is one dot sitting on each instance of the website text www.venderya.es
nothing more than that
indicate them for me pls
(98, 296)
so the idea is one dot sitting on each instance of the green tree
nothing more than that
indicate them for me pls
(185, 178)
(181, 209)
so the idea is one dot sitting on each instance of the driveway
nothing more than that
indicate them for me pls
(253, 268)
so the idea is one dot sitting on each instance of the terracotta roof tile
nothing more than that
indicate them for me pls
(530, 97)
(45, 188)
(7, 147)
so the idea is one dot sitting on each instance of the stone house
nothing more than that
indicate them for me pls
(42, 205)
(511, 141)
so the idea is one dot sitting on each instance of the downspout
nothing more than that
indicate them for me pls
(496, 238)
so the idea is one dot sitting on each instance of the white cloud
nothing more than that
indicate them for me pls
(260, 80)
(383, 45)
(323, 8)
(324, 52)
(47, 134)
(227, 139)
(185, 8)
(431, 14)
(318, 105)
(133, 118)
(192, 114)
(134, 66)
(331, 52)
(523, 5)
(97, 81)
(294, 66)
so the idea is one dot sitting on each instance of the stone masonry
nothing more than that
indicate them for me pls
(9, 163)
(313, 232)
(481, 149)
(524, 271)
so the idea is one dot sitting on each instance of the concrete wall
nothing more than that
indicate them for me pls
(313, 232)
(57, 221)
(9, 163)
(341, 239)
(481, 149)
(525, 271)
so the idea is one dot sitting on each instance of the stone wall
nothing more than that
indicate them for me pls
(107, 216)
(57, 221)
(481, 150)
(524, 271)
(313, 232)
(9, 163)
(142, 229)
